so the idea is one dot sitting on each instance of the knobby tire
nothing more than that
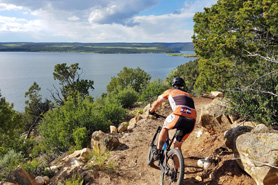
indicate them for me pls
(167, 179)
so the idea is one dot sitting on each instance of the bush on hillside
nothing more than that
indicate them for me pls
(137, 78)
(58, 125)
(153, 90)
(11, 127)
(9, 162)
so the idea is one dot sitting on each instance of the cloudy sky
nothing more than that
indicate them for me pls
(98, 20)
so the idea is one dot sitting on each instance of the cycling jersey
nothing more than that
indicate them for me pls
(184, 113)
(181, 102)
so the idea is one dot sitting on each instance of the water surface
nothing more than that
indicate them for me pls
(18, 70)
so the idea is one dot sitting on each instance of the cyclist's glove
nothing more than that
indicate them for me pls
(154, 114)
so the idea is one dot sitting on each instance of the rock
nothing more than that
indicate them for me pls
(7, 183)
(200, 163)
(137, 118)
(39, 180)
(113, 129)
(232, 134)
(81, 155)
(260, 128)
(258, 152)
(198, 178)
(131, 124)
(22, 177)
(213, 118)
(53, 169)
(46, 179)
(97, 135)
(217, 94)
(123, 127)
(106, 142)
(146, 109)
(204, 163)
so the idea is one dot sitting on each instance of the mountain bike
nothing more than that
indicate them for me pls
(169, 159)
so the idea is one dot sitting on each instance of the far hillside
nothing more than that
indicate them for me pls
(96, 47)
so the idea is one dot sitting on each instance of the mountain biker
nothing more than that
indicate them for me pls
(183, 116)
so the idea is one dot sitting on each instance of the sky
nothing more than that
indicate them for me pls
(98, 21)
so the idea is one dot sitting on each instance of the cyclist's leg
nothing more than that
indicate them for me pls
(162, 137)
(169, 124)
(177, 145)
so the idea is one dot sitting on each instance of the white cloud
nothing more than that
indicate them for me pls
(73, 18)
(98, 21)
(8, 7)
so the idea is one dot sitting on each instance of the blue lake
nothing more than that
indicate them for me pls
(18, 70)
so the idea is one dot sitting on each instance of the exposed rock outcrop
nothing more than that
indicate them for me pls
(213, 116)
(259, 156)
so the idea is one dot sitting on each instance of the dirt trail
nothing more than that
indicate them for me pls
(131, 157)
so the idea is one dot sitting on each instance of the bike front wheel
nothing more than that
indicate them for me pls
(173, 168)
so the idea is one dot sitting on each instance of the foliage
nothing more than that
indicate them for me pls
(9, 162)
(136, 78)
(59, 124)
(153, 90)
(33, 167)
(236, 42)
(10, 127)
(101, 161)
(81, 138)
(111, 108)
(189, 72)
(125, 97)
(71, 82)
(35, 108)
(75, 180)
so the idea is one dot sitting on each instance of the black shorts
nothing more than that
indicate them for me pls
(181, 123)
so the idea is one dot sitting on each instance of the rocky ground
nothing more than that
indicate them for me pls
(130, 158)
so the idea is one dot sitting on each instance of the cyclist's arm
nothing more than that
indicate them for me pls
(156, 104)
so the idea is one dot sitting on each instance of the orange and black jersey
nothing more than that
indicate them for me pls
(181, 102)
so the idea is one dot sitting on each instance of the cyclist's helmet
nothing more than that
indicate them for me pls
(178, 82)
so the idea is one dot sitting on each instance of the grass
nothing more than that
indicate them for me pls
(99, 160)
(12, 45)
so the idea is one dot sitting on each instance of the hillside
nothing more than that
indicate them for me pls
(130, 158)
(96, 47)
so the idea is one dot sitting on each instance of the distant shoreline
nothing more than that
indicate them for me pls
(97, 48)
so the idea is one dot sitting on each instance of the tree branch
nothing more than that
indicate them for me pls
(269, 59)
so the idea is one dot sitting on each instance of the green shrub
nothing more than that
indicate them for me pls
(9, 162)
(58, 125)
(137, 78)
(153, 90)
(127, 97)
(34, 167)
(81, 137)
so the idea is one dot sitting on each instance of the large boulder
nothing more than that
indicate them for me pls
(104, 141)
(213, 116)
(258, 155)
(232, 134)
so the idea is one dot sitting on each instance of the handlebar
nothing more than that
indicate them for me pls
(156, 115)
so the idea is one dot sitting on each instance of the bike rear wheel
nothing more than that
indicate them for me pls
(169, 174)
